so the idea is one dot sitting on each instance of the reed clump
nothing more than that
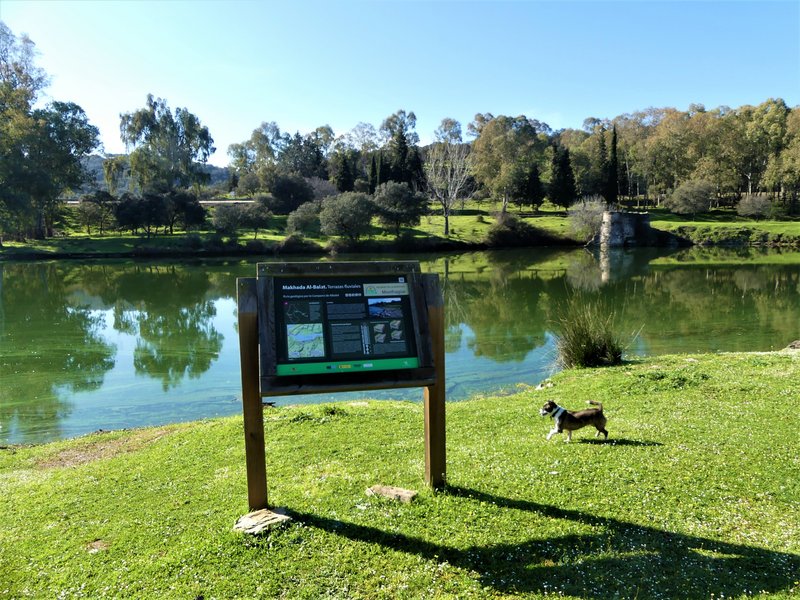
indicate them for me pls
(588, 335)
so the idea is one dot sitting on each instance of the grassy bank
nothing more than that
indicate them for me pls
(469, 229)
(693, 496)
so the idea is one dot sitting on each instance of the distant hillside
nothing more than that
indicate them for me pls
(94, 167)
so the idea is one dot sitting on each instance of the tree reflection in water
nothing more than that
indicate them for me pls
(47, 346)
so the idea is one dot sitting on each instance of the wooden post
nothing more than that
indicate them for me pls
(253, 409)
(434, 398)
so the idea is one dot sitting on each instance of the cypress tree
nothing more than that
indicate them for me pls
(611, 191)
(562, 190)
(373, 176)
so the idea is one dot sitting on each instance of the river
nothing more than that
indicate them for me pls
(88, 345)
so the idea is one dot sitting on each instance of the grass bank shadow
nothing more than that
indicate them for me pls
(617, 559)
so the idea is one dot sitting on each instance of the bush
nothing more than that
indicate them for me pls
(691, 197)
(304, 220)
(229, 218)
(754, 206)
(348, 215)
(586, 216)
(588, 338)
(398, 205)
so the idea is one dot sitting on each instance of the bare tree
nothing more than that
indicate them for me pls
(448, 170)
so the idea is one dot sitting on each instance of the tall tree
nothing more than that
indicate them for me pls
(503, 146)
(448, 167)
(167, 147)
(611, 175)
(562, 180)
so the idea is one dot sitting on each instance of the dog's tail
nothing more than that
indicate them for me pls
(594, 403)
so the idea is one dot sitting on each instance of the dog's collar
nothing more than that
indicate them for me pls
(557, 413)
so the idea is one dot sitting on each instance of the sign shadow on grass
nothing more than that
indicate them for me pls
(616, 559)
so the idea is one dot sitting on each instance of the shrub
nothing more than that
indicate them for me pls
(586, 216)
(229, 218)
(754, 206)
(304, 220)
(588, 338)
(691, 197)
(398, 205)
(348, 215)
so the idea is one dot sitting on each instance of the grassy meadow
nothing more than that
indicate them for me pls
(694, 495)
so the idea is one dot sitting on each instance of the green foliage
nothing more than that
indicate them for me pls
(587, 335)
(754, 206)
(167, 147)
(697, 505)
(347, 215)
(305, 219)
(289, 192)
(586, 217)
(228, 219)
(562, 191)
(691, 197)
(397, 205)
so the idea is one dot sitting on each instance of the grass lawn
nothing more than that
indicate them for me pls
(695, 495)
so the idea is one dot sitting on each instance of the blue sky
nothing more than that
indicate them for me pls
(304, 64)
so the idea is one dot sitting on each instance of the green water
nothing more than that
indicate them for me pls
(115, 344)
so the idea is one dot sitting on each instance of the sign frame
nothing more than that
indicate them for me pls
(256, 313)
(273, 384)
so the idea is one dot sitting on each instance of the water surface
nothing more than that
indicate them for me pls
(116, 344)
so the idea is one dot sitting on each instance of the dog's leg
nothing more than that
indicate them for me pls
(553, 431)
(569, 435)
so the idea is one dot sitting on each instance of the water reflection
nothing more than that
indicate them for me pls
(48, 347)
(120, 344)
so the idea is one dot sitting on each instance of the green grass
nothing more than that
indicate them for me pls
(695, 495)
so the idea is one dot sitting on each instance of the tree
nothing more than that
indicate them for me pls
(59, 137)
(532, 187)
(504, 145)
(40, 149)
(305, 219)
(398, 205)
(691, 197)
(347, 215)
(611, 175)
(562, 180)
(753, 206)
(257, 216)
(97, 209)
(229, 218)
(167, 147)
(448, 170)
(115, 170)
(289, 192)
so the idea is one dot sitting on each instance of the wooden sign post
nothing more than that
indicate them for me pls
(337, 327)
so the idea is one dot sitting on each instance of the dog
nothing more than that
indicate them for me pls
(565, 420)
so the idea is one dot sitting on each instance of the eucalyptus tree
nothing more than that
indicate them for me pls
(167, 147)
(40, 148)
(505, 147)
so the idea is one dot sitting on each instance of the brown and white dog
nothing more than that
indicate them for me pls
(565, 420)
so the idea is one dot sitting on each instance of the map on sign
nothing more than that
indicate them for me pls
(305, 341)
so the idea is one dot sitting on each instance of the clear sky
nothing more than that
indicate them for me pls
(304, 64)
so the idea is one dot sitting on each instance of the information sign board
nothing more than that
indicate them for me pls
(333, 324)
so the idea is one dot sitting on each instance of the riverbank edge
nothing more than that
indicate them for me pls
(675, 237)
